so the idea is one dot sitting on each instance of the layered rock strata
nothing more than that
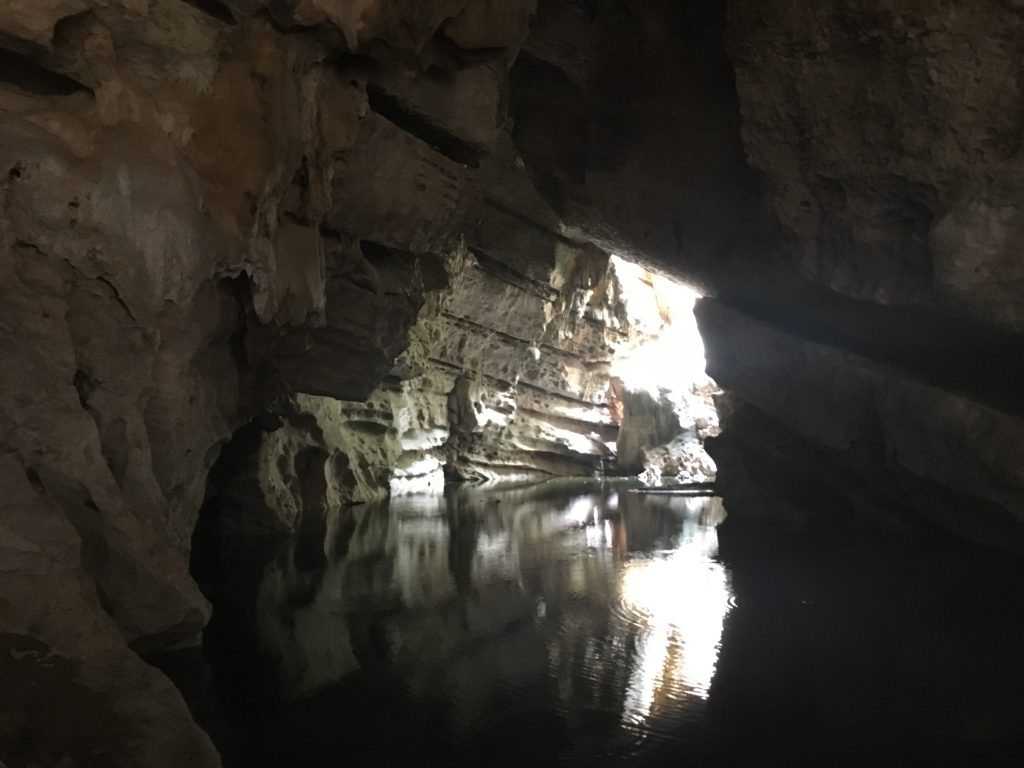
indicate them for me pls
(221, 211)
(210, 208)
(662, 434)
(506, 376)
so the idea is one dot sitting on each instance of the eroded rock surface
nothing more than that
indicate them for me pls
(505, 377)
(872, 218)
(201, 210)
(217, 210)
(662, 433)
(888, 138)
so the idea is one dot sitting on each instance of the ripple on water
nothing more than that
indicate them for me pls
(581, 736)
(576, 635)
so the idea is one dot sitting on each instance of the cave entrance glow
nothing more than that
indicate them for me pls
(518, 594)
(660, 393)
(675, 352)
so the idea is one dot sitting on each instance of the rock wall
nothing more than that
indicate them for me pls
(888, 139)
(223, 222)
(662, 434)
(213, 209)
(838, 178)
(507, 376)
(206, 206)
(888, 136)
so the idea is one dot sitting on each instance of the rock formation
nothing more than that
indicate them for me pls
(303, 229)
(202, 208)
(661, 436)
(506, 376)
(864, 312)
(892, 362)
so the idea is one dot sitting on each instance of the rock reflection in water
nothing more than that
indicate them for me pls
(606, 604)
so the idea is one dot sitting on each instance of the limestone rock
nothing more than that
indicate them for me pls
(372, 299)
(397, 191)
(491, 24)
(34, 21)
(408, 25)
(884, 137)
(213, 212)
(627, 120)
(900, 193)
(176, 179)
(62, 655)
(460, 111)
(891, 432)
(661, 434)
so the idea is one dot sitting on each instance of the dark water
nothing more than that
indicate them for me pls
(584, 624)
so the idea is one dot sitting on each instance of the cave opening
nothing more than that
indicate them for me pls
(434, 474)
(311, 304)
(661, 394)
(605, 379)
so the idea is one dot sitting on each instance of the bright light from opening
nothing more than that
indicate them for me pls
(662, 358)
(662, 309)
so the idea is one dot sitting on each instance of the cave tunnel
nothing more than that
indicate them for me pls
(552, 382)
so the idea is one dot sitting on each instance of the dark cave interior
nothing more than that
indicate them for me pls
(321, 325)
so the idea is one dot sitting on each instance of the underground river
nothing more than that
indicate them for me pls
(591, 623)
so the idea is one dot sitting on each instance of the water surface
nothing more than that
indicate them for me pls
(584, 623)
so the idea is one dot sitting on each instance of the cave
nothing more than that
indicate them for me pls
(489, 382)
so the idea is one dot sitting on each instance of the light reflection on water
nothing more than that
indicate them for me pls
(681, 598)
(518, 603)
(581, 624)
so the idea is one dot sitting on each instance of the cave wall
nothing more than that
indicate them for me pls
(207, 206)
(888, 136)
(213, 208)
(292, 233)
(507, 375)
(840, 181)
(626, 115)
(888, 139)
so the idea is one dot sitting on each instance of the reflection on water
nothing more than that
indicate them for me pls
(680, 598)
(591, 612)
(581, 624)
(576, 623)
